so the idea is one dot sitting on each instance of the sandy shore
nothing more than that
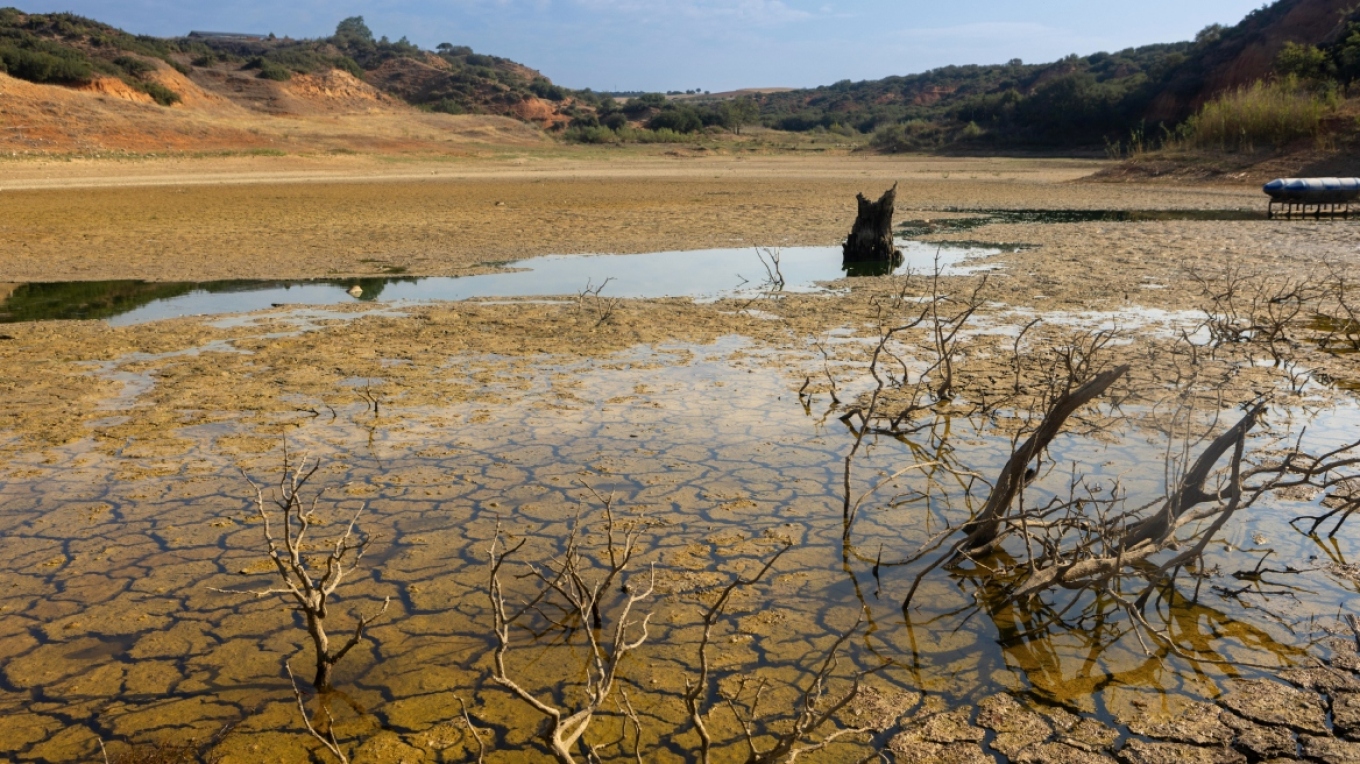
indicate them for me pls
(299, 217)
(291, 218)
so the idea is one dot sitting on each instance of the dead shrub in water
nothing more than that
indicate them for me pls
(1339, 320)
(578, 591)
(592, 298)
(312, 591)
(1043, 548)
(1241, 307)
(1089, 539)
(789, 736)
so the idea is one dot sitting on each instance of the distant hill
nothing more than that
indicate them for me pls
(1080, 101)
(1075, 99)
(351, 67)
(1236, 56)
(1102, 101)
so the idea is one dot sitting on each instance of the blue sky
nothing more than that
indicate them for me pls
(706, 44)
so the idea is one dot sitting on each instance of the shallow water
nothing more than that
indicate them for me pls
(971, 219)
(700, 274)
(108, 623)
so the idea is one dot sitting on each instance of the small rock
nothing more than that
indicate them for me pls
(1346, 714)
(1268, 702)
(1195, 723)
(1330, 750)
(1059, 753)
(1141, 752)
(951, 727)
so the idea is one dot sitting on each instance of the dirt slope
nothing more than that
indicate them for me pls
(322, 93)
(1246, 53)
(323, 112)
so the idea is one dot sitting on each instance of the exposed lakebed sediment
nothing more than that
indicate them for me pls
(123, 506)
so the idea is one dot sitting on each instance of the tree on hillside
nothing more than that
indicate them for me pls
(738, 113)
(353, 29)
(1348, 57)
(1307, 62)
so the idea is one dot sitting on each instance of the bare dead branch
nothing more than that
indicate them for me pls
(312, 592)
(698, 688)
(328, 740)
(606, 648)
(813, 711)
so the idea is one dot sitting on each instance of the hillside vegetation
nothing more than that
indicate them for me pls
(1278, 80)
(1128, 97)
(70, 50)
(66, 49)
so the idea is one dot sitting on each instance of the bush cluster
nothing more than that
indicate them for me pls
(39, 63)
(605, 135)
(1266, 115)
(612, 122)
(42, 49)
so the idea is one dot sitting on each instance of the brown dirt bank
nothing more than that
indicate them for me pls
(291, 217)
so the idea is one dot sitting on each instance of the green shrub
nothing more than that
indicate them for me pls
(447, 106)
(163, 95)
(663, 135)
(596, 135)
(1265, 115)
(133, 66)
(347, 64)
(548, 91)
(43, 66)
(913, 135)
(682, 119)
(270, 70)
(1306, 62)
(602, 135)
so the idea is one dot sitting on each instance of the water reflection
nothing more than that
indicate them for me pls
(861, 268)
(83, 300)
(703, 274)
(968, 220)
(106, 558)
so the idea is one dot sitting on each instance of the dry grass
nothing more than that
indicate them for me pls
(1263, 116)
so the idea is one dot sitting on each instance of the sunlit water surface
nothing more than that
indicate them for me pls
(700, 274)
(109, 625)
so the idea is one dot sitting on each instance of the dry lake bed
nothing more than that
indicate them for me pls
(542, 354)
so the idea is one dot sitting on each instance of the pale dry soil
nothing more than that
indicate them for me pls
(122, 505)
(298, 217)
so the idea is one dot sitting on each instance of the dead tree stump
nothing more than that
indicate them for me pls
(871, 239)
